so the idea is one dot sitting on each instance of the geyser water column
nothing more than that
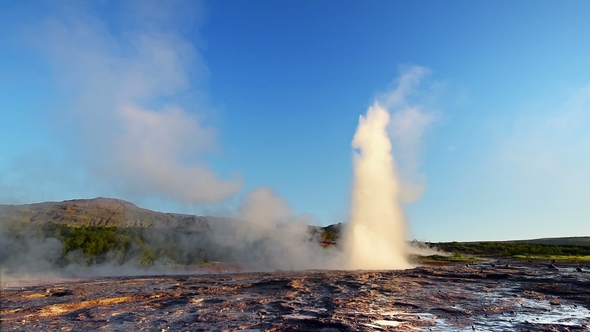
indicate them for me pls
(376, 234)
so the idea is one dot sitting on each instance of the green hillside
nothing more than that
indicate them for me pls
(98, 212)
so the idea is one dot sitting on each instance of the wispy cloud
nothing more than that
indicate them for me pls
(411, 118)
(124, 89)
(549, 142)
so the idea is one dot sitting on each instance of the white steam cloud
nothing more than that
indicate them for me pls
(376, 236)
(128, 108)
(268, 235)
(410, 121)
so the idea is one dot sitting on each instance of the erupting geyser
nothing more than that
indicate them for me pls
(376, 236)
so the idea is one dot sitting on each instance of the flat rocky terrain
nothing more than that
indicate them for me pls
(499, 296)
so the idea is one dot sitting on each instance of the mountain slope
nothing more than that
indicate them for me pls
(99, 211)
(575, 240)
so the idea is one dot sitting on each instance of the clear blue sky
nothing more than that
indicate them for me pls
(146, 101)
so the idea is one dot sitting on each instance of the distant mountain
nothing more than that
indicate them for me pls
(559, 241)
(99, 212)
(575, 240)
(115, 212)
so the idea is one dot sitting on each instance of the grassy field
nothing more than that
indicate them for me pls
(464, 259)
(466, 251)
(442, 259)
(457, 257)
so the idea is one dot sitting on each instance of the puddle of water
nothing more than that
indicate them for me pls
(373, 326)
(521, 310)
(516, 311)
(387, 322)
(545, 313)
(409, 315)
(298, 316)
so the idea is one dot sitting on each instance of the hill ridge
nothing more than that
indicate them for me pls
(99, 211)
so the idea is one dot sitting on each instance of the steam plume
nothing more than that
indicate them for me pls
(376, 238)
(268, 235)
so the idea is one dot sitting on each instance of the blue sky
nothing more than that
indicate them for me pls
(188, 106)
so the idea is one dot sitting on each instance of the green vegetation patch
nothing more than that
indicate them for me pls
(515, 249)
(457, 257)
(118, 245)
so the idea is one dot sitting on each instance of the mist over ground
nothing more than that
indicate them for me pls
(35, 247)
(265, 235)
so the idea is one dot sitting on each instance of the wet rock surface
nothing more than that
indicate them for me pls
(517, 297)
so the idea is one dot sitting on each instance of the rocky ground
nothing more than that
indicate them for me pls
(499, 296)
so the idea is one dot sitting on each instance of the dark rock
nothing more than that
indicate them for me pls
(60, 293)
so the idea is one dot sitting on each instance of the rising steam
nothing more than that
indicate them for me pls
(268, 235)
(376, 238)
(376, 235)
